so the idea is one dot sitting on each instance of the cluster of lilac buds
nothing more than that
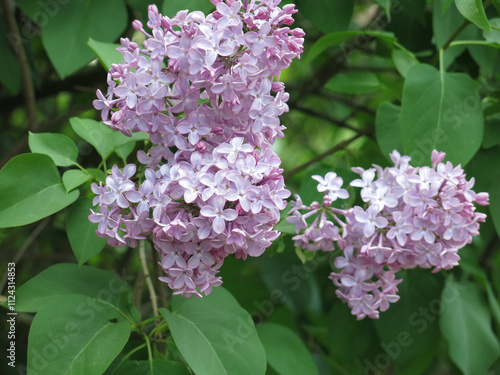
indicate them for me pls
(412, 217)
(206, 89)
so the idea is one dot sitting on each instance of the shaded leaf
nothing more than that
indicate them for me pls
(473, 10)
(64, 278)
(160, 367)
(31, 189)
(403, 61)
(285, 351)
(327, 15)
(387, 128)
(465, 322)
(101, 136)
(81, 232)
(354, 83)
(67, 32)
(74, 178)
(75, 335)
(440, 111)
(106, 52)
(215, 335)
(171, 7)
(409, 328)
(335, 38)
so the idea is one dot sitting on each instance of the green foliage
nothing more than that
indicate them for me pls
(440, 111)
(106, 52)
(65, 279)
(105, 140)
(60, 148)
(387, 128)
(354, 83)
(279, 341)
(375, 76)
(465, 322)
(32, 189)
(215, 335)
(81, 232)
(75, 334)
(473, 10)
(327, 15)
(171, 7)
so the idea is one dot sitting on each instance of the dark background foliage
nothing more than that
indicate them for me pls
(410, 75)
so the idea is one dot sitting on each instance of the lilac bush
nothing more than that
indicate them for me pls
(207, 91)
(413, 217)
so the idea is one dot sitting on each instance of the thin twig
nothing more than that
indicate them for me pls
(23, 143)
(149, 283)
(29, 241)
(337, 147)
(450, 39)
(339, 123)
(160, 285)
(28, 89)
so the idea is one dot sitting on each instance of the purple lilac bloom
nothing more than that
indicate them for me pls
(204, 89)
(414, 217)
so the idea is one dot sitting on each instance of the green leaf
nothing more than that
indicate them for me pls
(295, 281)
(409, 328)
(465, 323)
(171, 7)
(335, 38)
(473, 10)
(494, 34)
(96, 133)
(349, 338)
(354, 83)
(327, 15)
(31, 189)
(124, 151)
(160, 367)
(285, 351)
(65, 278)
(101, 136)
(60, 148)
(444, 26)
(106, 52)
(445, 5)
(66, 33)
(440, 111)
(81, 232)
(403, 61)
(387, 128)
(491, 133)
(74, 178)
(215, 335)
(386, 6)
(75, 334)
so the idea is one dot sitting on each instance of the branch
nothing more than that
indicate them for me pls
(89, 80)
(337, 147)
(28, 89)
(340, 124)
(145, 269)
(29, 241)
(450, 39)
(23, 143)
(160, 285)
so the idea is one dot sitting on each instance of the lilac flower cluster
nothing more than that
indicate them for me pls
(413, 216)
(206, 89)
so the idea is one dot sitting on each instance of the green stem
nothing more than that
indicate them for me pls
(470, 42)
(127, 356)
(405, 50)
(150, 320)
